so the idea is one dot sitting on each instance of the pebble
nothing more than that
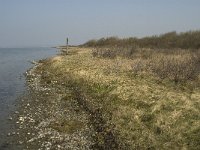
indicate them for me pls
(21, 119)
(16, 112)
(10, 118)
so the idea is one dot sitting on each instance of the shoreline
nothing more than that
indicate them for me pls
(52, 116)
(77, 101)
(13, 86)
(42, 122)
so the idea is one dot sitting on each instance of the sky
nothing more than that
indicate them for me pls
(35, 23)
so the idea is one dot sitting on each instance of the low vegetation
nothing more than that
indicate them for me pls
(138, 98)
(130, 93)
(169, 56)
(178, 65)
(185, 40)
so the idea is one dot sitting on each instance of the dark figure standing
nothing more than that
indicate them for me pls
(67, 42)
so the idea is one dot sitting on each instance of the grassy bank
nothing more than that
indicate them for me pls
(133, 109)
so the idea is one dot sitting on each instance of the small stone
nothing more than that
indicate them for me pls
(16, 112)
(32, 120)
(10, 118)
(21, 119)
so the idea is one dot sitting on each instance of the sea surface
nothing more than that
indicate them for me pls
(14, 62)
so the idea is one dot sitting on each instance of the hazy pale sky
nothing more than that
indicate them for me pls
(28, 23)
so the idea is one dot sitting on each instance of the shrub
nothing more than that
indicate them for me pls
(90, 43)
(112, 52)
(171, 40)
(180, 67)
(104, 52)
(177, 65)
(139, 65)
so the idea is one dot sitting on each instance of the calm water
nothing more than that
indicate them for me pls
(13, 63)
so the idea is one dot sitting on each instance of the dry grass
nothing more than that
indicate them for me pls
(177, 65)
(146, 113)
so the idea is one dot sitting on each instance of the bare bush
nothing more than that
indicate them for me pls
(181, 67)
(177, 65)
(112, 52)
(104, 52)
(171, 40)
(139, 66)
